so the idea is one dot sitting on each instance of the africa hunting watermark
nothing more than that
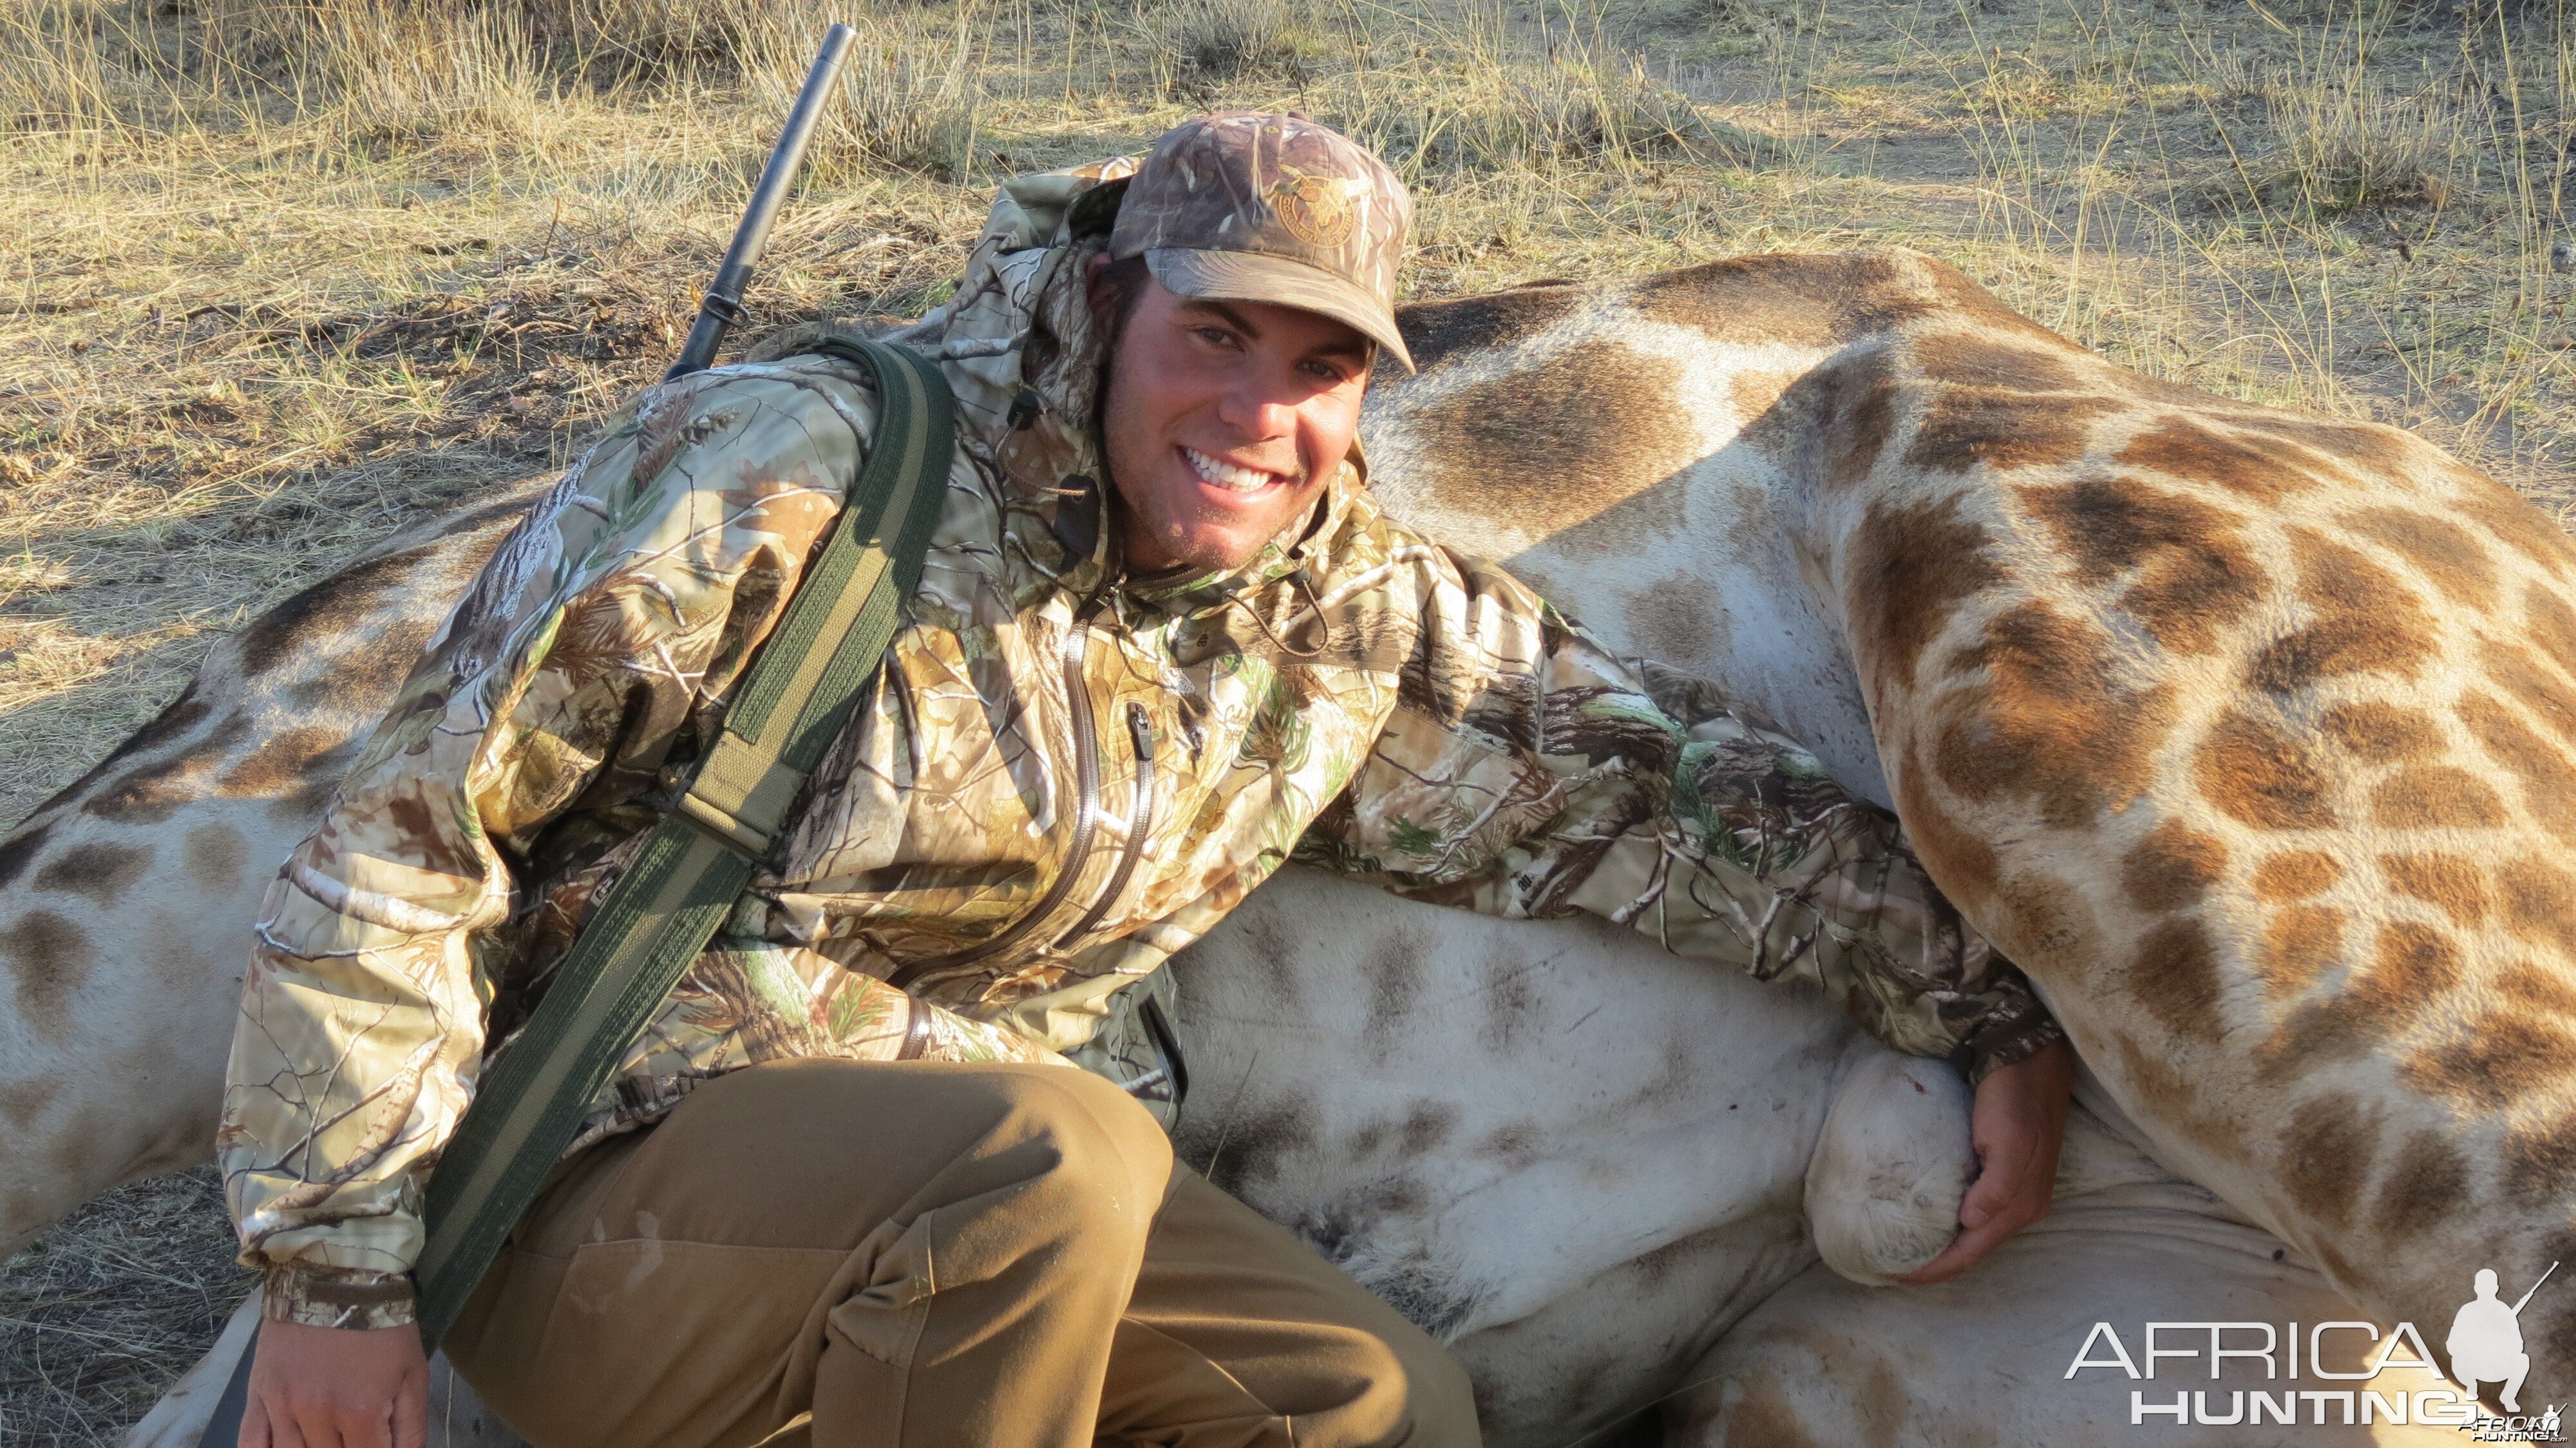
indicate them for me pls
(2484, 1346)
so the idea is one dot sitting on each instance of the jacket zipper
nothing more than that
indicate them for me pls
(1140, 820)
(1086, 812)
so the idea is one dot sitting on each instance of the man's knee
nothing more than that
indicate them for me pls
(1102, 1158)
(1433, 1403)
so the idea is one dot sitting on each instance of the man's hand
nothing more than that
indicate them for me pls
(334, 1387)
(2016, 1128)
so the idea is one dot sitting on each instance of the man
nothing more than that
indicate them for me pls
(1164, 639)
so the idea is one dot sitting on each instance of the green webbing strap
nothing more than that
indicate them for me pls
(665, 908)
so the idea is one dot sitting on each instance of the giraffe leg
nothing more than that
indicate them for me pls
(1984, 1359)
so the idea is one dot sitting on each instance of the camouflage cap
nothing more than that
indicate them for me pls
(1265, 208)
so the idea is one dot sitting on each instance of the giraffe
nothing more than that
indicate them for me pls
(2223, 722)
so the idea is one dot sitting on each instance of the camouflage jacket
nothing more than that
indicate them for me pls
(1063, 776)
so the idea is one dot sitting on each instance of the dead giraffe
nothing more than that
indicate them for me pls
(2238, 729)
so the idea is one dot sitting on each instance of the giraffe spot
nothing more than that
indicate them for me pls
(1428, 1125)
(101, 872)
(2299, 942)
(2427, 1185)
(2175, 976)
(2365, 446)
(290, 758)
(2538, 904)
(1856, 435)
(2043, 720)
(2253, 467)
(1912, 566)
(21, 1102)
(1973, 359)
(2005, 430)
(2169, 1091)
(2540, 1165)
(1434, 330)
(2325, 1152)
(2500, 1060)
(2414, 965)
(2258, 776)
(2548, 783)
(2529, 988)
(2455, 563)
(2046, 918)
(2295, 875)
(2436, 797)
(2362, 620)
(2380, 733)
(49, 960)
(2192, 577)
(2515, 523)
(20, 851)
(2450, 884)
(306, 621)
(151, 793)
(2173, 867)
(1959, 859)
(2534, 685)
(213, 856)
(2550, 624)
(1594, 426)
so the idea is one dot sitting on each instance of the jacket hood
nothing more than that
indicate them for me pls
(1019, 349)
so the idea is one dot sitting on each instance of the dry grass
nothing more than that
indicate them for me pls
(288, 274)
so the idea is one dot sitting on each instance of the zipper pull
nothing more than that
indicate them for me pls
(1140, 728)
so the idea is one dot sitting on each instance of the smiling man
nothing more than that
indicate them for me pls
(847, 1188)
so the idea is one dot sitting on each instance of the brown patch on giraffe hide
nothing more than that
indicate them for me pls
(2299, 942)
(2168, 1090)
(21, 851)
(2457, 887)
(23, 1101)
(2295, 875)
(49, 957)
(1966, 426)
(1861, 421)
(2516, 524)
(1959, 859)
(152, 793)
(2437, 797)
(2550, 624)
(286, 762)
(1974, 359)
(2414, 966)
(2548, 783)
(2496, 1062)
(1592, 427)
(2363, 621)
(2443, 552)
(2326, 1151)
(1911, 568)
(2534, 685)
(2366, 447)
(213, 856)
(2172, 867)
(2380, 733)
(2426, 1185)
(1812, 300)
(2541, 1164)
(2537, 991)
(2042, 720)
(2045, 918)
(1434, 330)
(2257, 775)
(2252, 467)
(2175, 976)
(292, 629)
(2539, 904)
(2192, 576)
(1762, 1414)
(102, 872)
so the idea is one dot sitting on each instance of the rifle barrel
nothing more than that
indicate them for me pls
(722, 307)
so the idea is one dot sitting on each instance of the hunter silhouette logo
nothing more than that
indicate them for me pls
(2486, 1340)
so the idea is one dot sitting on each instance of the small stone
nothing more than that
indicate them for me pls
(2562, 255)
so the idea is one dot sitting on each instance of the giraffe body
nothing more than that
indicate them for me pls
(2088, 633)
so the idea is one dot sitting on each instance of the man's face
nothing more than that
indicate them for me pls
(1221, 420)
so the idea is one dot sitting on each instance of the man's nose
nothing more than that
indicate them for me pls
(1259, 413)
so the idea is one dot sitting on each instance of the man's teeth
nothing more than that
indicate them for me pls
(1226, 475)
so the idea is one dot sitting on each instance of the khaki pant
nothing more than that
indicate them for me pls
(919, 1254)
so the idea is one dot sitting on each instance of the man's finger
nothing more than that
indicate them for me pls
(411, 1415)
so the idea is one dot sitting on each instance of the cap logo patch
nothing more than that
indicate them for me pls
(1315, 209)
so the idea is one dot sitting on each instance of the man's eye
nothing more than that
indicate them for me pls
(1216, 336)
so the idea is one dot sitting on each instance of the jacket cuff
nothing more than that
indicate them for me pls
(328, 1297)
(2009, 1042)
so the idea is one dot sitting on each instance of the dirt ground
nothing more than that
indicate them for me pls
(282, 277)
